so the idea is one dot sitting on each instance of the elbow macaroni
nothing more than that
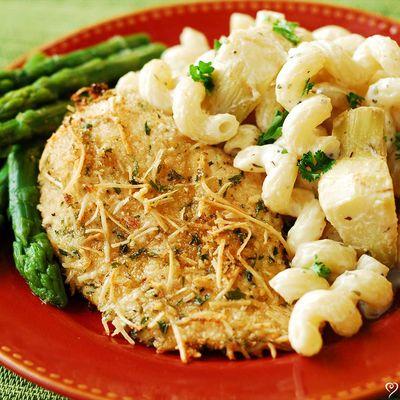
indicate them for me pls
(308, 226)
(192, 45)
(240, 21)
(338, 306)
(379, 52)
(195, 123)
(336, 256)
(349, 43)
(372, 289)
(330, 32)
(129, 83)
(281, 168)
(312, 311)
(306, 61)
(298, 130)
(293, 283)
(278, 185)
(155, 85)
(246, 136)
(300, 197)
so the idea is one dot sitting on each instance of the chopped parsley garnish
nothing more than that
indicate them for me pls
(309, 85)
(275, 251)
(217, 44)
(397, 145)
(147, 129)
(287, 30)
(204, 257)
(275, 130)
(135, 169)
(63, 252)
(202, 73)
(144, 320)
(117, 190)
(157, 186)
(236, 294)
(201, 300)
(174, 176)
(354, 99)
(284, 151)
(249, 276)
(133, 333)
(320, 268)
(312, 166)
(235, 179)
(124, 248)
(135, 172)
(240, 234)
(195, 240)
(260, 206)
(163, 326)
(138, 253)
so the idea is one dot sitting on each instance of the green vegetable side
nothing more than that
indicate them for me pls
(3, 193)
(40, 65)
(33, 123)
(51, 88)
(33, 254)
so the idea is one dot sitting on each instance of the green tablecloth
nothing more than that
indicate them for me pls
(29, 23)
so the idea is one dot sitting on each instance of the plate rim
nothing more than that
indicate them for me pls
(43, 47)
(16, 364)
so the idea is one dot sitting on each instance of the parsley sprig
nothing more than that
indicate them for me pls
(308, 86)
(312, 166)
(287, 30)
(320, 268)
(354, 99)
(275, 130)
(217, 44)
(203, 73)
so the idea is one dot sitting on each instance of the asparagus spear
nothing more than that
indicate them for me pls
(3, 193)
(32, 123)
(33, 254)
(40, 65)
(4, 152)
(50, 88)
(36, 59)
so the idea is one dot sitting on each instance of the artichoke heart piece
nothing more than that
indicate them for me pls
(356, 195)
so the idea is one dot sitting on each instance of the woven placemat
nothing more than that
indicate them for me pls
(27, 24)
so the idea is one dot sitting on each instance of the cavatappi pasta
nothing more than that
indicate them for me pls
(324, 112)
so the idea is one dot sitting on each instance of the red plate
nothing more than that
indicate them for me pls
(68, 352)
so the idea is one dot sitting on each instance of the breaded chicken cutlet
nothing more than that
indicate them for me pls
(170, 242)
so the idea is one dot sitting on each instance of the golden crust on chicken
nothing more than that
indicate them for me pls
(162, 234)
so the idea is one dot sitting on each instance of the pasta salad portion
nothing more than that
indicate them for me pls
(317, 114)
